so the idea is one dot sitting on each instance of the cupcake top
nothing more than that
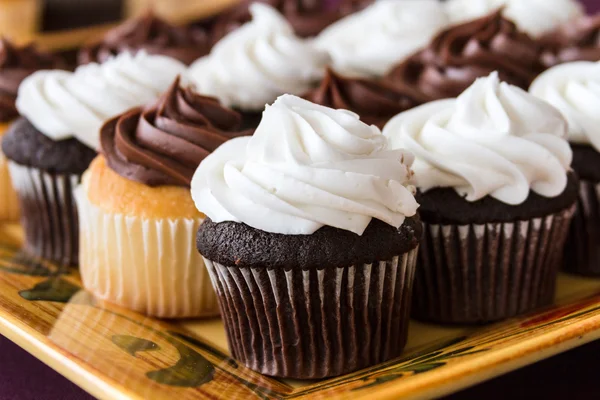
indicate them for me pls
(307, 166)
(493, 140)
(16, 63)
(535, 17)
(462, 53)
(375, 101)
(163, 144)
(370, 42)
(254, 64)
(578, 40)
(152, 34)
(62, 104)
(308, 18)
(574, 89)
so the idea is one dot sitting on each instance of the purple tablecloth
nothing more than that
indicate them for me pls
(22, 377)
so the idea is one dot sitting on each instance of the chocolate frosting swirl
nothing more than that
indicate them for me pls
(578, 40)
(16, 64)
(462, 53)
(307, 17)
(376, 102)
(165, 143)
(153, 35)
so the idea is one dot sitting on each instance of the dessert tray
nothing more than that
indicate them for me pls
(117, 354)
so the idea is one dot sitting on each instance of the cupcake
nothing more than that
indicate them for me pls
(58, 135)
(16, 63)
(138, 221)
(310, 239)
(307, 18)
(375, 101)
(369, 43)
(463, 53)
(574, 88)
(254, 64)
(574, 41)
(151, 34)
(496, 198)
(535, 17)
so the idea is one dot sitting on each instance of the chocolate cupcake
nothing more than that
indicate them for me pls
(50, 147)
(307, 18)
(497, 198)
(463, 53)
(151, 34)
(578, 40)
(138, 219)
(534, 17)
(310, 241)
(375, 101)
(16, 63)
(574, 88)
(254, 64)
(369, 43)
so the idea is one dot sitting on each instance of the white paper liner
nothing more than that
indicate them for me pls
(48, 213)
(147, 265)
(488, 272)
(582, 251)
(316, 323)
(9, 204)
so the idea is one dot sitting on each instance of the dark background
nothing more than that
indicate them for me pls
(571, 375)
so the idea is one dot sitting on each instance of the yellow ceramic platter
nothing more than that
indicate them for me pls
(117, 354)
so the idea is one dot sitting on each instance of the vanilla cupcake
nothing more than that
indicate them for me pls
(493, 172)
(370, 42)
(574, 88)
(16, 63)
(535, 17)
(254, 64)
(138, 221)
(310, 239)
(58, 136)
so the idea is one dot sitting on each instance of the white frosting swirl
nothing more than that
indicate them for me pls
(534, 17)
(306, 166)
(261, 60)
(61, 104)
(493, 140)
(574, 88)
(371, 42)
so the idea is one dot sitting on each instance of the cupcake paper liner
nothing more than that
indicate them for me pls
(315, 323)
(483, 273)
(9, 204)
(147, 265)
(48, 213)
(582, 251)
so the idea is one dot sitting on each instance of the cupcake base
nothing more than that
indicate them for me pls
(480, 273)
(315, 323)
(582, 249)
(147, 265)
(49, 214)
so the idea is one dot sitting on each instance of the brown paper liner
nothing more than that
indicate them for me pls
(48, 213)
(315, 323)
(471, 274)
(582, 250)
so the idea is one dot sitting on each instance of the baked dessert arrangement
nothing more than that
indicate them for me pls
(315, 175)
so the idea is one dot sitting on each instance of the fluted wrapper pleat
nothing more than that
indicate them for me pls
(147, 265)
(582, 251)
(48, 213)
(315, 323)
(482, 273)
